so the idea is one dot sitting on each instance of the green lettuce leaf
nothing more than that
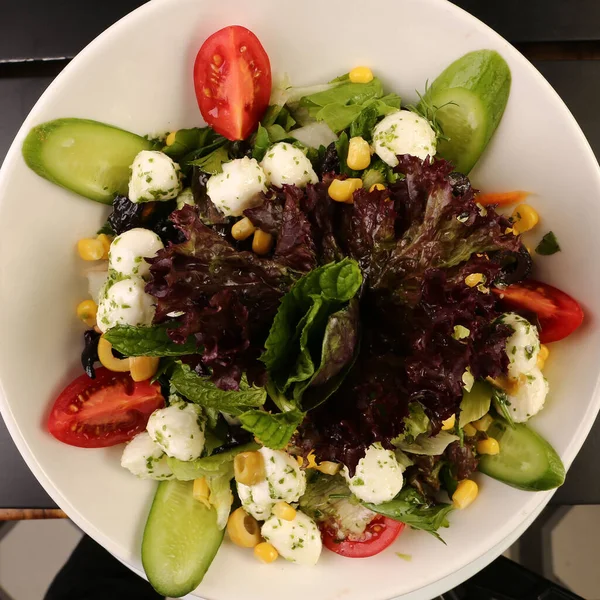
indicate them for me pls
(147, 341)
(429, 446)
(205, 393)
(475, 403)
(411, 508)
(341, 147)
(266, 136)
(273, 430)
(208, 466)
(221, 497)
(328, 501)
(345, 104)
(212, 163)
(415, 424)
(192, 140)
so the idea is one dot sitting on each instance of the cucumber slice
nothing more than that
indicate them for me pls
(180, 541)
(526, 460)
(87, 157)
(468, 100)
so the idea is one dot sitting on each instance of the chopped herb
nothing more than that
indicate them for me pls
(406, 557)
(549, 245)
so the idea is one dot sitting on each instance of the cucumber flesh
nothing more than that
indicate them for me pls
(526, 460)
(87, 157)
(181, 539)
(470, 96)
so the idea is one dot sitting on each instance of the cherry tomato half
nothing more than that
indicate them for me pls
(380, 533)
(232, 78)
(558, 313)
(108, 410)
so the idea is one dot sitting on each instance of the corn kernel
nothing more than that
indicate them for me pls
(484, 423)
(265, 552)
(469, 430)
(108, 359)
(143, 367)
(249, 468)
(359, 154)
(542, 357)
(86, 311)
(201, 491)
(328, 467)
(361, 75)
(171, 138)
(90, 249)
(377, 186)
(242, 230)
(449, 423)
(342, 190)
(262, 242)
(243, 529)
(284, 511)
(465, 493)
(524, 218)
(489, 446)
(474, 279)
(105, 240)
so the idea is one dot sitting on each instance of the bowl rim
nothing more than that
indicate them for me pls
(505, 535)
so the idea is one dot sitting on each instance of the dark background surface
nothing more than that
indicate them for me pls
(564, 30)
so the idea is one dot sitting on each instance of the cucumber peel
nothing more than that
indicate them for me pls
(180, 541)
(467, 101)
(86, 157)
(526, 460)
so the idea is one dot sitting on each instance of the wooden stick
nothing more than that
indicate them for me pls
(18, 514)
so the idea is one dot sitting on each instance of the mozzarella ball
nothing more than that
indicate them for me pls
(378, 476)
(403, 132)
(178, 430)
(298, 541)
(284, 481)
(154, 176)
(256, 499)
(145, 459)
(125, 303)
(522, 347)
(237, 187)
(286, 164)
(529, 396)
(128, 251)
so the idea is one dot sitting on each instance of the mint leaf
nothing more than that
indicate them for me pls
(315, 333)
(338, 354)
(147, 341)
(411, 508)
(273, 431)
(548, 245)
(205, 393)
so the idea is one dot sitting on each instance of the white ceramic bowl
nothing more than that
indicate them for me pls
(137, 75)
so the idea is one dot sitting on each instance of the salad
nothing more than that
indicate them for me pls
(304, 321)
